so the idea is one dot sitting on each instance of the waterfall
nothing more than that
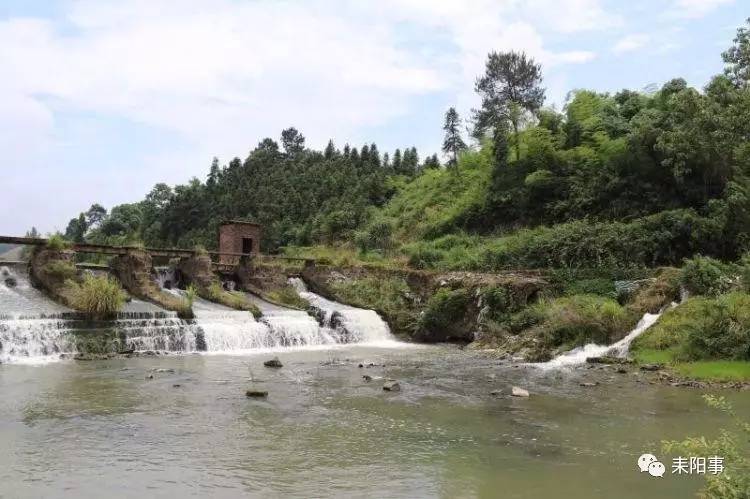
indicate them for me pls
(166, 277)
(233, 331)
(356, 324)
(34, 329)
(619, 349)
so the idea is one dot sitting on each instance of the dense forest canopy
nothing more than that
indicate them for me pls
(609, 170)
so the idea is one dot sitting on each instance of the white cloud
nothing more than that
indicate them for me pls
(631, 42)
(697, 8)
(224, 75)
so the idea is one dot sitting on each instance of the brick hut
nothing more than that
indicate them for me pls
(236, 236)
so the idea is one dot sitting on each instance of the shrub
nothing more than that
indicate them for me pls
(576, 320)
(705, 276)
(390, 296)
(661, 239)
(60, 269)
(425, 258)
(100, 296)
(232, 299)
(596, 286)
(190, 294)
(664, 289)
(445, 311)
(57, 242)
(377, 235)
(703, 328)
(723, 333)
(200, 250)
(744, 271)
(287, 295)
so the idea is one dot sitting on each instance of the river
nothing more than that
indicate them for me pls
(180, 425)
(102, 429)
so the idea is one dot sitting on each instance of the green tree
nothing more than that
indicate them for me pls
(76, 229)
(95, 215)
(453, 143)
(213, 174)
(737, 57)
(292, 141)
(510, 86)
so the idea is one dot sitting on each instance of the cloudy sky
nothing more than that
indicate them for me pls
(101, 99)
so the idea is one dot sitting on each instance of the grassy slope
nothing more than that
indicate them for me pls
(699, 338)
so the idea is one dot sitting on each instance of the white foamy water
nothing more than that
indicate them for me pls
(357, 324)
(36, 330)
(233, 331)
(579, 355)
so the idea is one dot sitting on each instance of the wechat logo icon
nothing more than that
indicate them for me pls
(650, 464)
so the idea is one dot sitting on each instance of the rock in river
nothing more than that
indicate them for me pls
(275, 362)
(519, 392)
(391, 386)
(256, 394)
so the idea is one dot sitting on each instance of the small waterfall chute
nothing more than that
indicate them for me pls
(356, 324)
(579, 355)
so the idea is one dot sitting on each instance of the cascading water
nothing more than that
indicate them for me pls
(233, 331)
(356, 324)
(166, 277)
(35, 329)
(619, 349)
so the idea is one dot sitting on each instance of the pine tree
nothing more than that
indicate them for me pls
(292, 141)
(374, 156)
(330, 151)
(397, 162)
(453, 143)
(510, 87)
(431, 162)
(213, 174)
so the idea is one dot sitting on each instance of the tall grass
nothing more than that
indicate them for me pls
(60, 269)
(287, 295)
(576, 320)
(232, 299)
(100, 296)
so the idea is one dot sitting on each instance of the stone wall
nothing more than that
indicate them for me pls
(134, 272)
(425, 291)
(196, 270)
(49, 269)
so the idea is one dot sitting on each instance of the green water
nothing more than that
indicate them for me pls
(101, 429)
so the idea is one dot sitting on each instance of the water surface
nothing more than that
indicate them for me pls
(101, 429)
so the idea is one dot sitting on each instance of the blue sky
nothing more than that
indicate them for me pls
(101, 99)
